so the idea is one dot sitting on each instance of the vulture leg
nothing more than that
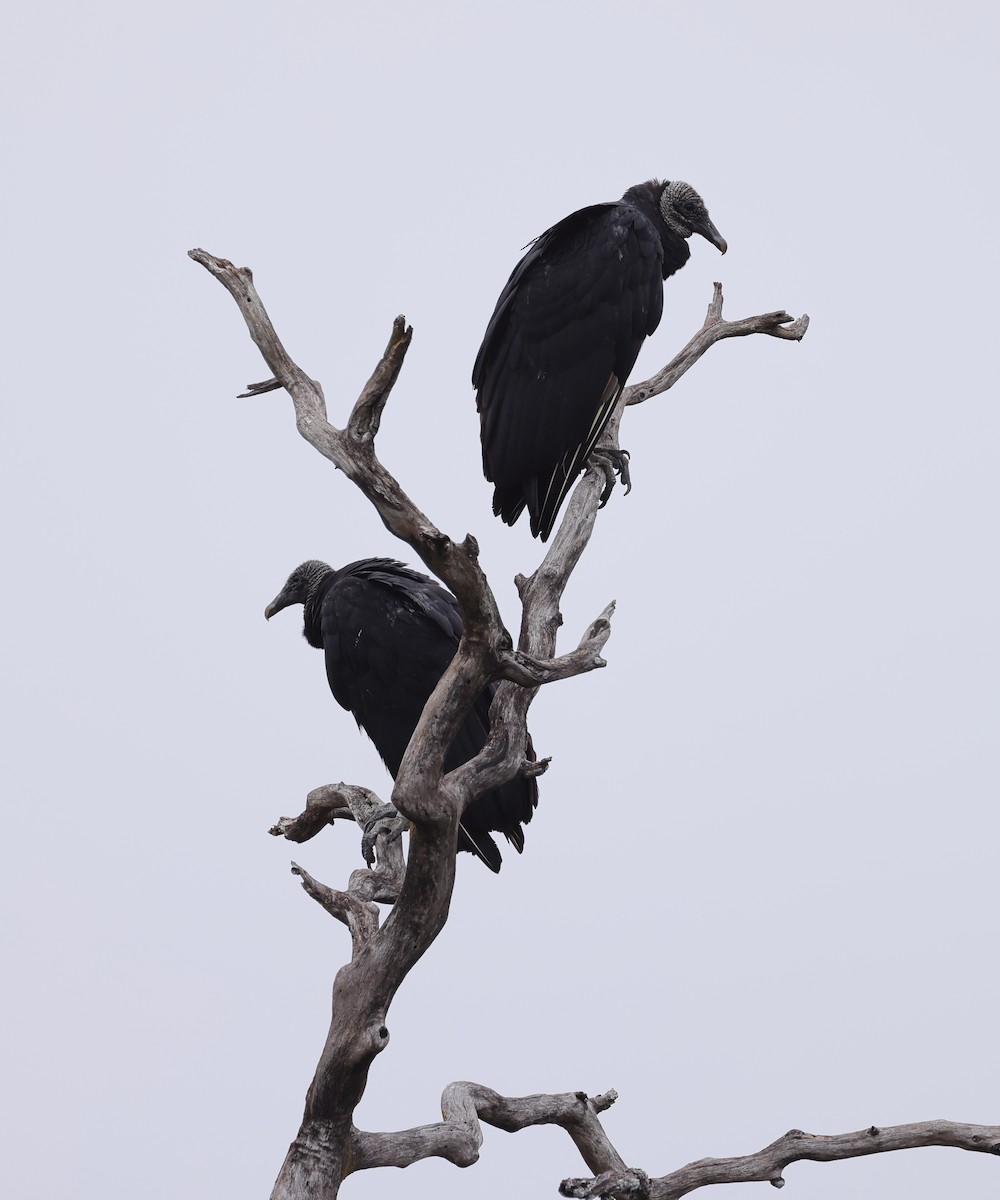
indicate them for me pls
(384, 819)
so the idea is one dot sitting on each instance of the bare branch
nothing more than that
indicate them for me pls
(532, 672)
(324, 805)
(458, 1137)
(361, 917)
(795, 1146)
(366, 416)
(238, 281)
(464, 1105)
(715, 329)
(258, 389)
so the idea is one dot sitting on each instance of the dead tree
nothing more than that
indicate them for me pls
(328, 1146)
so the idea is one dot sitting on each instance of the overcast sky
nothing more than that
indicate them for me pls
(760, 890)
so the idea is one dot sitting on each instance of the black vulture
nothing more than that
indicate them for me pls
(388, 634)
(565, 334)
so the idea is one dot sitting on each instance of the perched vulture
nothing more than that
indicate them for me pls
(388, 634)
(566, 333)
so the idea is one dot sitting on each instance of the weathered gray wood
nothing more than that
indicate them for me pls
(458, 1137)
(327, 1146)
(796, 1146)
(364, 987)
(359, 915)
(324, 805)
(715, 329)
(382, 883)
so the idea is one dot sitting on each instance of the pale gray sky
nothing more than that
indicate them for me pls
(760, 890)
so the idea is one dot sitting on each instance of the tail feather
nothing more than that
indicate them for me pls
(483, 846)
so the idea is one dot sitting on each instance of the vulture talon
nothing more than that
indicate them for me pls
(614, 464)
(384, 819)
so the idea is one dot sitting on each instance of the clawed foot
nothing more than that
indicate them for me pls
(385, 819)
(612, 463)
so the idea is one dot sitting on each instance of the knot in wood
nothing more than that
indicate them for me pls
(378, 1036)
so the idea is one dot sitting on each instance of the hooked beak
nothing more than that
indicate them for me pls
(277, 604)
(711, 234)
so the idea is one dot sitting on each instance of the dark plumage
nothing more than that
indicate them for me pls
(566, 333)
(388, 634)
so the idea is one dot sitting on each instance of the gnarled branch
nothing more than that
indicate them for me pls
(458, 1137)
(464, 1106)
(356, 907)
(327, 1147)
(324, 805)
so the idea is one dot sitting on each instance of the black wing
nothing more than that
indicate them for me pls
(558, 350)
(389, 633)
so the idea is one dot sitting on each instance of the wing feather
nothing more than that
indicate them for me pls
(389, 634)
(557, 352)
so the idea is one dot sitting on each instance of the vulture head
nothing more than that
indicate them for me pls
(299, 586)
(685, 212)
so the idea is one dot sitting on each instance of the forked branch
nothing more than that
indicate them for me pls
(774, 324)
(486, 648)
(327, 1147)
(533, 672)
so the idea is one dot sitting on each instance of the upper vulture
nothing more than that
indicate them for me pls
(388, 634)
(565, 335)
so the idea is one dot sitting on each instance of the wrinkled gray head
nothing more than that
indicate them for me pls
(299, 586)
(685, 213)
